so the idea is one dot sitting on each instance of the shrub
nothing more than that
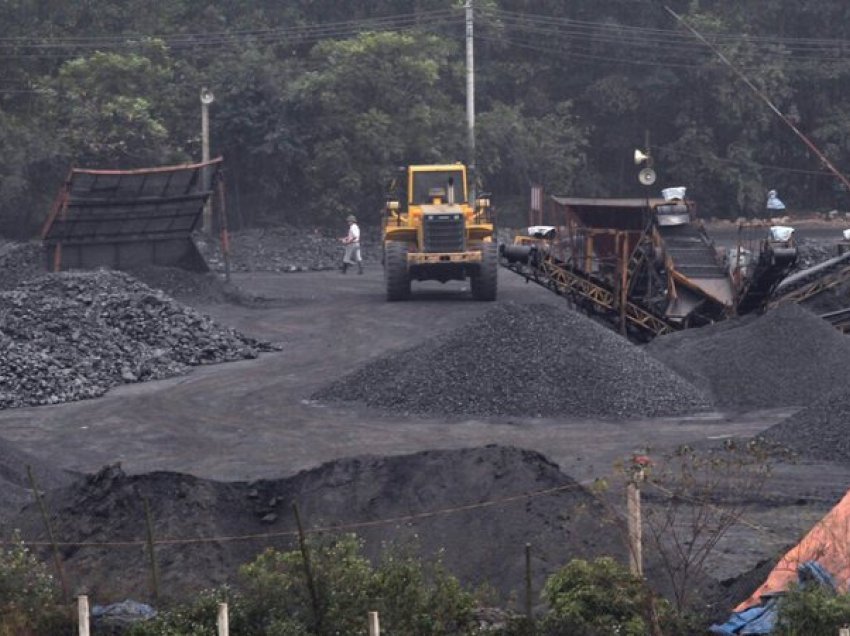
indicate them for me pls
(814, 610)
(28, 593)
(595, 598)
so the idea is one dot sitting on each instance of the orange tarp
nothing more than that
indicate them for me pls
(828, 543)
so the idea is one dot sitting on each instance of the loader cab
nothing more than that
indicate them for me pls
(440, 184)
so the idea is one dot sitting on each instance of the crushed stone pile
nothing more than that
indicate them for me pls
(819, 431)
(71, 336)
(522, 360)
(20, 262)
(787, 357)
(385, 494)
(286, 249)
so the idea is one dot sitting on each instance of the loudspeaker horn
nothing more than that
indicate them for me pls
(640, 157)
(646, 176)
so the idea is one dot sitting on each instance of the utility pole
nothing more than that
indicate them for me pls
(206, 99)
(470, 98)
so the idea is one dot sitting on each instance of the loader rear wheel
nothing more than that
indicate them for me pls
(484, 283)
(395, 270)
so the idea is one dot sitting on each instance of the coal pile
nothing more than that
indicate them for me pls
(820, 431)
(787, 357)
(20, 262)
(194, 287)
(15, 486)
(286, 249)
(71, 336)
(811, 252)
(522, 360)
(429, 497)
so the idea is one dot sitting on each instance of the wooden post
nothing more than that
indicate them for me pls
(624, 283)
(223, 622)
(374, 624)
(225, 235)
(308, 569)
(634, 521)
(56, 558)
(528, 603)
(83, 615)
(151, 553)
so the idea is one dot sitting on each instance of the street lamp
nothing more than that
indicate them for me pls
(207, 98)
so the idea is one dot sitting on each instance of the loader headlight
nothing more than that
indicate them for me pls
(392, 205)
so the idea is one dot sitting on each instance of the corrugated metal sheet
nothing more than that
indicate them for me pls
(122, 218)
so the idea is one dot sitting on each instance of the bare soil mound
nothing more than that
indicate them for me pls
(479, 505)
(523, 360)
(820, 431)
(787, 357)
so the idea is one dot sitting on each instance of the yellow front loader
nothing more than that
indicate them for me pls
(434, 232)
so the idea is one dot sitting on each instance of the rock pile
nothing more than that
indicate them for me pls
(285, 249)
(819, 431)
(522, 360)
(788, 357)
(71, 336)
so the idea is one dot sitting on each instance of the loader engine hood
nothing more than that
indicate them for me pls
(442, 208)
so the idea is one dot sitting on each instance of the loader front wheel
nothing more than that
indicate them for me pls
(484, 282)
(395, 270)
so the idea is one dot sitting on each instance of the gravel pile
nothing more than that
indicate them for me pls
(787, 357)
(819, 431)
(523, 360)
(285, 249)
(72, 336)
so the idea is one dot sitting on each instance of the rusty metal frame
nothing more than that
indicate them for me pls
(151, 208)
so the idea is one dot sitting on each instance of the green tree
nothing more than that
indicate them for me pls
(377, 101)
(110, 108)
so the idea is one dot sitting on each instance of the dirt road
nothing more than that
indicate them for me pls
(250, 420)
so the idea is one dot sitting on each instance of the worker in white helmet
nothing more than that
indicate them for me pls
(352, 246)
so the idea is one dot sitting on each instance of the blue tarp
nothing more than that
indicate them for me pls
(761, 619)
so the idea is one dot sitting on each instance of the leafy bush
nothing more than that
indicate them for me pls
(816, 610)
(274, 599)
(596, 598)
(28, 593)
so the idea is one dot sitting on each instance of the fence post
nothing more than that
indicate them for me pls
(151, 553)
(528, 601)
(223, 620)
(83, 615)
(374, 624)
(633, 512)
(57, 559)
(308, 569)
